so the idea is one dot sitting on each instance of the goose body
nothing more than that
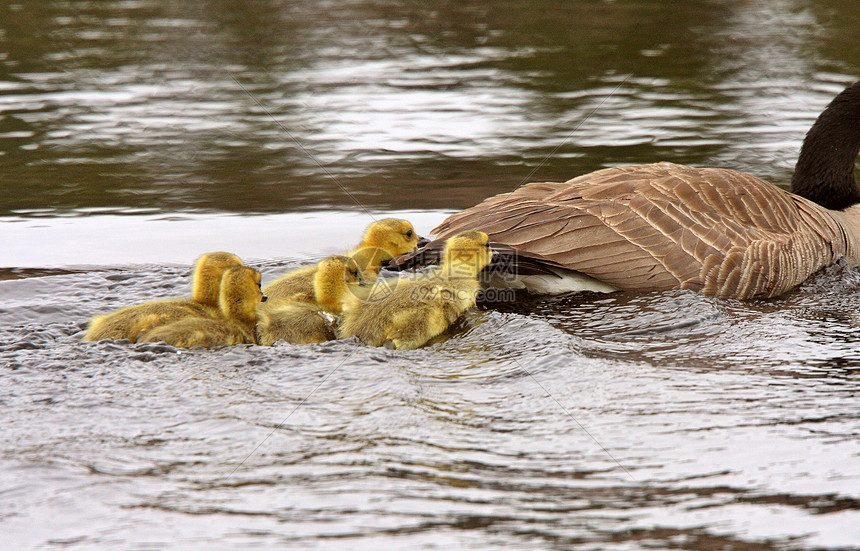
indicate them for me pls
(666, 226)
(238, 299)
(408, 312)
(303, 318)
(129, 322)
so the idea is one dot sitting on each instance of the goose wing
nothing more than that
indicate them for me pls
(661, 226)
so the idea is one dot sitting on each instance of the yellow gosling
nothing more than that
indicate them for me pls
(238, 299)
(294, 282)
(304, 319)
(382, 241)
(407, 313)
(129, 322)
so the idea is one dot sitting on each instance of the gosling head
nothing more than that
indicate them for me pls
(332, 280)
(392, 236)
(466, 254)
(207, 276)
(240, 293)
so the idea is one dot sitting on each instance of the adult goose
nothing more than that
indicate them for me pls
(666, 226)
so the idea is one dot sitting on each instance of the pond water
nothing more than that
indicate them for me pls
(137, 135)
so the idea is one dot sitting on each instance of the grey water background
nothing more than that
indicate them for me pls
(137, 134)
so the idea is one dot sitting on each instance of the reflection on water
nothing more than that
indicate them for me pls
(233, 108)
(135, 135)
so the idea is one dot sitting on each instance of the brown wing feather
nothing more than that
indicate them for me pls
(662, 226)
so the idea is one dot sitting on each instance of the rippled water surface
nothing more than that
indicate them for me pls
(136, 135)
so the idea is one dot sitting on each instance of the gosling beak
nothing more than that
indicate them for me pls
(264, 298)
(361, 282)
(422, 241)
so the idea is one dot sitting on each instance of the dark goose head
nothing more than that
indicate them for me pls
(825, 168)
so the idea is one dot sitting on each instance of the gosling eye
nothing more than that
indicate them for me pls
(355, 273)
(487, 245)
(409, 234)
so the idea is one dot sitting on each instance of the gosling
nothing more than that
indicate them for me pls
(407, 313)
(382, 241)
(238, 299)
(305, 319)
(129, 322)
